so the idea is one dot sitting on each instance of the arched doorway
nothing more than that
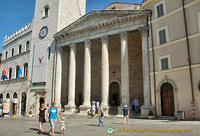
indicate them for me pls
(14, 105)
(23, 104)
(114, 95)
(1, 98)
(41, 101)
(167, 99)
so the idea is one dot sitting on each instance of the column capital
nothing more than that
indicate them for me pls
(104, 38)
(87, 43)
(72, 45)
(59, 49)
(123, 35)
(143, 29)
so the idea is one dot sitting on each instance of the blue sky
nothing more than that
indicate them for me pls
(14, 14)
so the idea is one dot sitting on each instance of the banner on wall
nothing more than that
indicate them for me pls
(40, 59)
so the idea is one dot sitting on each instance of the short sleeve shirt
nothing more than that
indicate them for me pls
(93, 107)
(53, 111)
(125, 111)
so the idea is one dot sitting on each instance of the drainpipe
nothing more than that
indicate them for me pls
(188, 50)
(53, 75)
(153, 61)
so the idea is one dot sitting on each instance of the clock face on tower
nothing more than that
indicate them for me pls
(43, 32)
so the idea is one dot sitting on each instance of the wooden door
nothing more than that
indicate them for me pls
(167, 100)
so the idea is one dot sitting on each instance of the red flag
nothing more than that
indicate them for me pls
(4, 72)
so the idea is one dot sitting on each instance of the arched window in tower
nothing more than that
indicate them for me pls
(27, 45)
(7, 96)
(10, 73)
(25, 69)
(17, 69)
(6, 56)
(20, 48)
(45, 11)
(13, 50)
(15, 95)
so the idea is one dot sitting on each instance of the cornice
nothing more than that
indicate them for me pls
(148, 3)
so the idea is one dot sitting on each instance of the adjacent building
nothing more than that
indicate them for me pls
(174, 44)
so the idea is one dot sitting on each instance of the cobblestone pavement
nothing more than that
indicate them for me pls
(89, 127)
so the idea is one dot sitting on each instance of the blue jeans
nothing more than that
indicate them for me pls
(100, 120)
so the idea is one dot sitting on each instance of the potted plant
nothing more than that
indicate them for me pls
(151, 114)
(30, 113)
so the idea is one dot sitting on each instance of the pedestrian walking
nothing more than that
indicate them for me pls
(62, 125)
(93, 108)
(42, 116)
(126, 114)
(53, 115)
(101, 115)
(136, 105)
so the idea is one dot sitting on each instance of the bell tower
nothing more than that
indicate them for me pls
(53, 15)
(50, 17)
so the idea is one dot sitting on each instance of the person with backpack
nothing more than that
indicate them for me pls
(101, 114)
(53, 115)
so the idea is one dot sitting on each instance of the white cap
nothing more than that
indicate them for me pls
(125, 106)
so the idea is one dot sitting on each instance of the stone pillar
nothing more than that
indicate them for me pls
(87, 79)
(146, 77)
(124, 73)
(20, 104)
(70, 107)
(124, 70)
(58, 77)
(105, 74)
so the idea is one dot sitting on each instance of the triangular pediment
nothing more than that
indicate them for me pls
(96, 17)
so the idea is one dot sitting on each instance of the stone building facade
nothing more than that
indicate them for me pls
(174, 39)
(16, 53)
(102, 57)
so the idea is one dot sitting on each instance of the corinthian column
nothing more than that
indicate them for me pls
(146, 78)
(124, 70)
(105, 74)
(58, 76)
(72, 78)
(87, 78)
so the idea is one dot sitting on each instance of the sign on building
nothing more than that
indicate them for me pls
(40, 59)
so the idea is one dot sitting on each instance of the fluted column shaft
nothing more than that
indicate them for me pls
(105, 72)
(87, 74)
(124, 70)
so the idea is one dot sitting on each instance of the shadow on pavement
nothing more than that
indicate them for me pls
(91, 125)
(42, 133)
(118, 123)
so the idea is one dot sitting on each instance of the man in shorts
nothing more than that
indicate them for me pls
(126, 114)
(53, 115)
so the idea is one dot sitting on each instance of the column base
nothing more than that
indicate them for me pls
(145, 110)
(69, 109)
(105, 109)
(84, 109)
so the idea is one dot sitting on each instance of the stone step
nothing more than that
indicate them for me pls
(166, 118)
